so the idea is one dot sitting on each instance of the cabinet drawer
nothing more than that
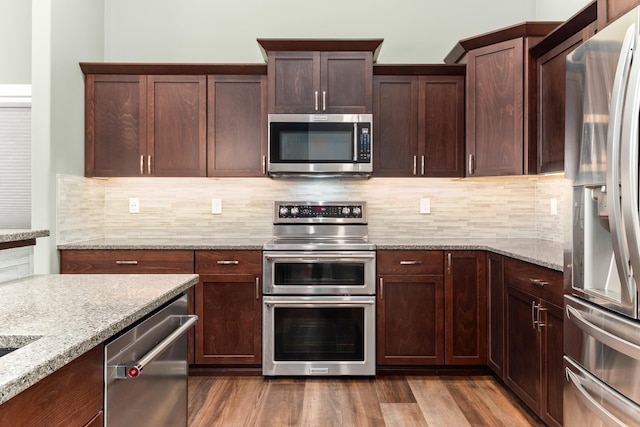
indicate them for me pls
(538, 281)
(229, 262)
(410, 262)
(126, 261)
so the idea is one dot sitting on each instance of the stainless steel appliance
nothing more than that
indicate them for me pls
(145, 376)
(320, 145)
(602, 318)
(319, 291)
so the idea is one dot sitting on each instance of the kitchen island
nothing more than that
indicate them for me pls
(54, 319)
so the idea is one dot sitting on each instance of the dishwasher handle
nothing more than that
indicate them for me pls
(133, 370)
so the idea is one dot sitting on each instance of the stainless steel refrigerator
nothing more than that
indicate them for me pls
(602, 265)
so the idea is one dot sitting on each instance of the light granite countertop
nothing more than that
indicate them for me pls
(56, 318)
(544, 253)
(15, 235)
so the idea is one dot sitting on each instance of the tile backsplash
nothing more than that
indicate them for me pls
(480, 207)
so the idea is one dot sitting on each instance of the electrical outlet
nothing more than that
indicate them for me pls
(216, 206)
(425, 205)
(553, 206)
(134, 205)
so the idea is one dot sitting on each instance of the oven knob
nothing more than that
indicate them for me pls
(356, 211)
(284, 210)
(346, 211)
(294, 210)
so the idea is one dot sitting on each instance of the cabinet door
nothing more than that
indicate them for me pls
(410, 320)
(610, 10)
(523, 357)
(229, 330)
(441, 126)
(395, 117)
(346, 82)
(494, 130)
(551, 106)
(465, 308)
(551, 326)
(176, 125)
(115, 130)
(495, 313)
(237, 125)
(294, 82)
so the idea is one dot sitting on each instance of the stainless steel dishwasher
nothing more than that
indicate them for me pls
(146, 370)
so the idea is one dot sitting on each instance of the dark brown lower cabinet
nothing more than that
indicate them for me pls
(410, 320)
(534, 338)
(229, 307)
(495, 313)
(71, 396)
(465, 308)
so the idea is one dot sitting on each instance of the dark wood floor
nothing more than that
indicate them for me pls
(451, 401)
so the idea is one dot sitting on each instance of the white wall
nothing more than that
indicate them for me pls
(226, 30)
(15, 41)
(65, 32)
(551, 10)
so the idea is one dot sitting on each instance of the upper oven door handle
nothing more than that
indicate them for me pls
(320, 257)
(307, 302)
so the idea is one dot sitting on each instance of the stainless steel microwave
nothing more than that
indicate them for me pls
(320, 145)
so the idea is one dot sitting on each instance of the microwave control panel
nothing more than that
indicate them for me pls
(364, 143)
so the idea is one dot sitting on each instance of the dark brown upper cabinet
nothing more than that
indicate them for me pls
(501, 99)
(610, 10)
(550, 54)
(139, 125)
(153, 119)
(419, 120)
(237, 125)
(320, 76)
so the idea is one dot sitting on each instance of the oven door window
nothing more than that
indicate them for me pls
(319, 274)
(319, 334)
(312, 142)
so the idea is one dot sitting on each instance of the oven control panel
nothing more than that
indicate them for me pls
(320, 212)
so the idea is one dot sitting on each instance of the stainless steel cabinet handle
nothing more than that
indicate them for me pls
(134, 369)
(141, 165)
(538, 282)
(607, 338)
(264, 165)
(421, 165)
(381, 288)
(607, 417)
(449, 262)
(257, 288)
(316, 97)
(149, 164)
(223, 262)
(414, 164)
(540, 323)
(125, 262)
(533, 315)
(412, 262)
(471, 165)
(324, 100)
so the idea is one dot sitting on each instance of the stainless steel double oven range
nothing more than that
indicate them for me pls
(319, 291)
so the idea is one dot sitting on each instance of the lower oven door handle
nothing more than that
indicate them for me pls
(317, 302)
(607, 417)
(133, 370)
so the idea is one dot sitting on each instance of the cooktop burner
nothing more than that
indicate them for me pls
(323, 226)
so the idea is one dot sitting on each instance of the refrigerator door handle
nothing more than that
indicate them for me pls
(629, 184)
(620, 249)
(607, 417)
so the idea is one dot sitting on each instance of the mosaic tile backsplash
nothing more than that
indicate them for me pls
(476, 208)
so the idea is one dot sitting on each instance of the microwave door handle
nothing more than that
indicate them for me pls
(629, 179)
(613, 157)
(355, 142)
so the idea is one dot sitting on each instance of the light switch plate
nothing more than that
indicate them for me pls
(553, 206)
(134, 205)
(425, 205)
(216, 206)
